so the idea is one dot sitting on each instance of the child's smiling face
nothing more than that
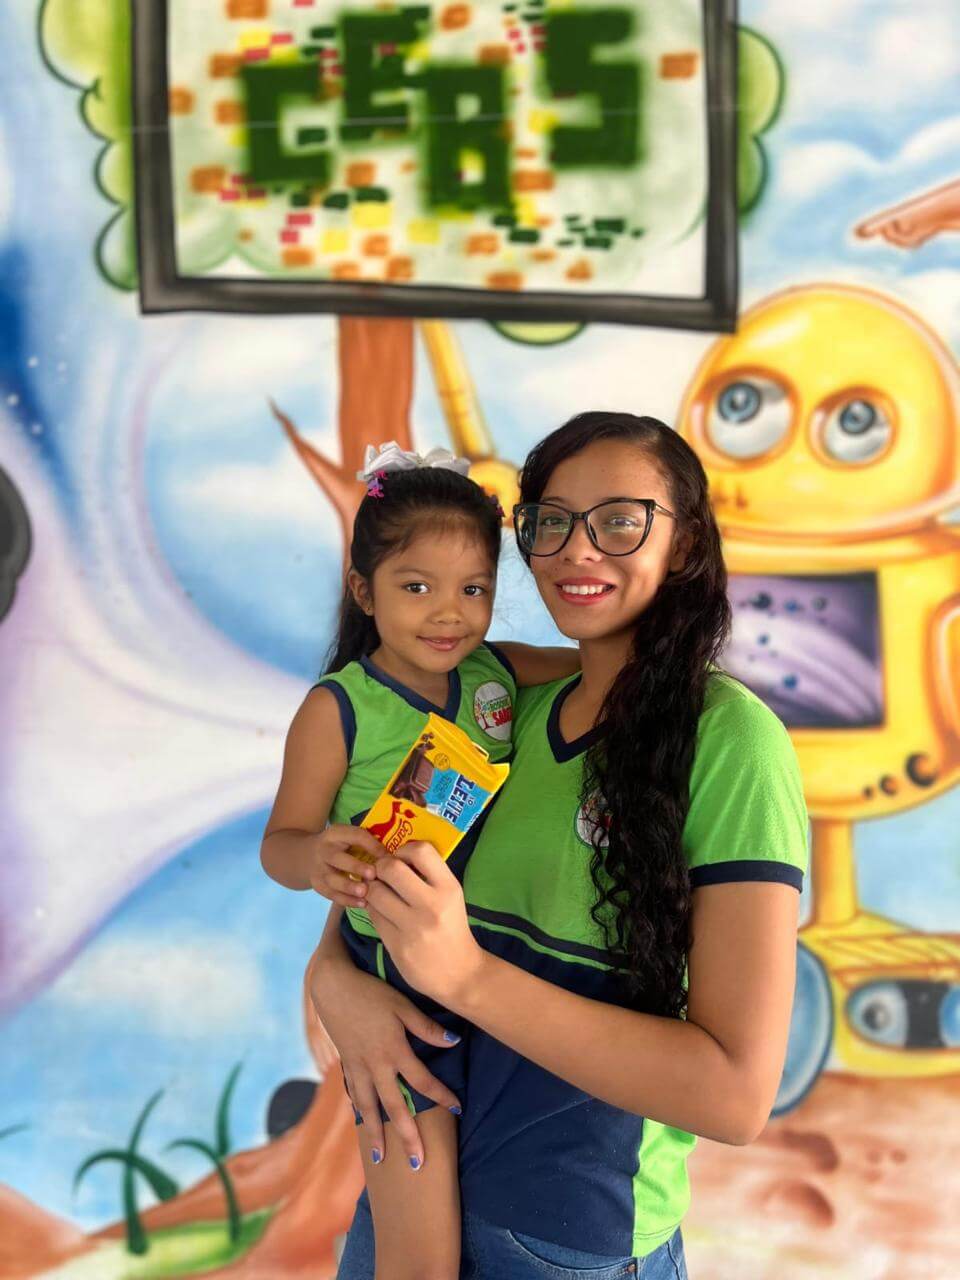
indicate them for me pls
(432, 600)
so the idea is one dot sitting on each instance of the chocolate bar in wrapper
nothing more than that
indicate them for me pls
(441, 787)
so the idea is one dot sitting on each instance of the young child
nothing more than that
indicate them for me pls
(417, 603)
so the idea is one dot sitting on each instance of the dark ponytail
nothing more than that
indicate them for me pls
(410, 503)
(640, 767)
(356, 636)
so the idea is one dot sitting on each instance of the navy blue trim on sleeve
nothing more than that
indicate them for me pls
(502, 658)
(745, 870)
(348, 719)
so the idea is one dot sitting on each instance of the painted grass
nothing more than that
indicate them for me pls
(174, 1251)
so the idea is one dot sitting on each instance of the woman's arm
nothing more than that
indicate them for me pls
(533, 665)
(298, 849)
(368, 1022)
(715, 1074)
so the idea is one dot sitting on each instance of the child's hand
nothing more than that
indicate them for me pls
(332, 863)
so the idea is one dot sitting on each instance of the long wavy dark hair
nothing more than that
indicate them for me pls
(639, 769)
(410, 503)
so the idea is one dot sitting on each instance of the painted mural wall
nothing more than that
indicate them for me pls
(175, 485)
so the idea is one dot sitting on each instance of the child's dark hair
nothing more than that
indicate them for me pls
(641, 764)
(428, 498)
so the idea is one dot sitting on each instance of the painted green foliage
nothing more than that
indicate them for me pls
(87, 44)
(760, 89)
(133, 1163)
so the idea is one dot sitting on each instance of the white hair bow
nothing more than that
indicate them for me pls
(390, 457)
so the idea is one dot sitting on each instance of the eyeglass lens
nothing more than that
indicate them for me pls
(617, 527)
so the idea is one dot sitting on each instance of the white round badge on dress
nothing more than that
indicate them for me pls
(589, 817)
(493, 710)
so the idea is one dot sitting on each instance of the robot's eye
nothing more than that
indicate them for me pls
(748, 417)
(879, 1012)
(856, 430)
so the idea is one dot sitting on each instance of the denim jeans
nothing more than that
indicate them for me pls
(490, 1252)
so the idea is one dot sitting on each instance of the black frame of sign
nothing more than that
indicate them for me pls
(164, 289)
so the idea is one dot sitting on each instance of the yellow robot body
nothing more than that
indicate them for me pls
(853, 773)
(872, 960)
(829, 426)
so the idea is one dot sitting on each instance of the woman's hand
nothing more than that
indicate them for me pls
(417, 906)
(368, 1022)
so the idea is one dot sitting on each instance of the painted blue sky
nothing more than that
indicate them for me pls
(201, 966)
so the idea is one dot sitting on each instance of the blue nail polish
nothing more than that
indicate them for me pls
(457, 1111)
(451, 1038)
(375, 1155)
(414, 1163)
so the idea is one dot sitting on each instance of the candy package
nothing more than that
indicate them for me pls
(440, 789)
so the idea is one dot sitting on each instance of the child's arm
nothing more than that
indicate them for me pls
(298, 849)
(533, 665)
(415, 1207)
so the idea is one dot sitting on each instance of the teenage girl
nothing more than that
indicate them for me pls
(624, 938)
(417, 604)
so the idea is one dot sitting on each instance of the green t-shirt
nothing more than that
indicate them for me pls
(594, 1176)
(382, 719)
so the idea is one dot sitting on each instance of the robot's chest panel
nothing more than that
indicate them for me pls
(810, 647)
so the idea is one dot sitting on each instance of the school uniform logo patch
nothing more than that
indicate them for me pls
(589, 817)
(493, 710)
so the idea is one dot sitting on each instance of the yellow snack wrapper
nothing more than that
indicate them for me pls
(440, 789)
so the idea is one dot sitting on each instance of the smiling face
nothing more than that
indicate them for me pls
(592, 596)
(831, 408)
(431, 601)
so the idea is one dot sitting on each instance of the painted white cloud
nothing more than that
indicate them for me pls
(871, 57)
(223, 370)
(811, 170)
(807, 169)
(822, 189)
(282, 490)
(201, 986)
(610, 367)
(933, 295)
(256, 353)
(814, 15)
(915, 49)
(935, 142)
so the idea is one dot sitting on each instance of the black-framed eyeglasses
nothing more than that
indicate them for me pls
(616, 527)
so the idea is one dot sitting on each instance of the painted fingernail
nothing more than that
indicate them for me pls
(414, 1162)
(457, 1111)
(375, 1155)
(451, 1038)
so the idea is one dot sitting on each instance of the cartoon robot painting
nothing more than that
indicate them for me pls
(830, 429)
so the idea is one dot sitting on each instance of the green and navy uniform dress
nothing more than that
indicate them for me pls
(537, 1155)
(381, 720)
